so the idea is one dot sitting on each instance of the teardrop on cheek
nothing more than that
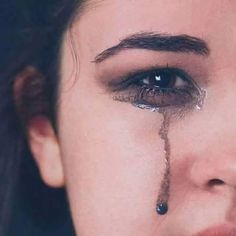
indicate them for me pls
(163, 197)
(164, 193)
(197, 104)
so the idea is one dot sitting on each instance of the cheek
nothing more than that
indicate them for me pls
(113, 159)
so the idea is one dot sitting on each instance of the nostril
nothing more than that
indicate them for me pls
(215, 182)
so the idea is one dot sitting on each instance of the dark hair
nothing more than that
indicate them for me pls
(31, 34)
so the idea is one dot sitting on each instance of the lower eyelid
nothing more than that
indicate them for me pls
(177, 100)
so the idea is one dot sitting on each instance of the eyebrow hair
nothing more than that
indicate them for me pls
(157, 42)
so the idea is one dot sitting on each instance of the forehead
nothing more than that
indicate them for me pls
(166, 14)
(105, 22)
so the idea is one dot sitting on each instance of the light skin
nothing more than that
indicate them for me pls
(109, 155)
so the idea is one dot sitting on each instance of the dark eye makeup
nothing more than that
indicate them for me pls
(158, 88)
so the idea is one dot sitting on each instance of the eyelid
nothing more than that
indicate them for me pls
(175, 99)
(133, 77)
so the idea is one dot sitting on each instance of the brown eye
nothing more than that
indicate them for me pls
(160, 88)
(162, 79)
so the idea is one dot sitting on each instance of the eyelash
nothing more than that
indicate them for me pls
(149, 96)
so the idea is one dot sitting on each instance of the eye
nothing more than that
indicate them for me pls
(160, 88)
(163, 79)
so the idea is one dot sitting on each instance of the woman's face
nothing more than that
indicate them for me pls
(113, 155)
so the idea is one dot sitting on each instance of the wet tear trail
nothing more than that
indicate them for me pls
(196, 103)
(164, 193)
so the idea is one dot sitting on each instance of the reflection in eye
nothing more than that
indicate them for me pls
(159, 89)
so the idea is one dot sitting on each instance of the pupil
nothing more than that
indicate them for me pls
(162, 79)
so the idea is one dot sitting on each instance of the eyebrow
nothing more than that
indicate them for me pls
(157, 42)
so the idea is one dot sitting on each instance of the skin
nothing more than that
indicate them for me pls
(109, 155)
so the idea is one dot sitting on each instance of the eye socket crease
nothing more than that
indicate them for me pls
(157, 42)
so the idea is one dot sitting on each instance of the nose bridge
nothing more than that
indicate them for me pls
(216, 159)
(220, 112)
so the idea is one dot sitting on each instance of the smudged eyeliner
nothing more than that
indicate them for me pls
(159, 90)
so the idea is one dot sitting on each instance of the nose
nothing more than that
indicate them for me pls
(215, 158)
(214, 171)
